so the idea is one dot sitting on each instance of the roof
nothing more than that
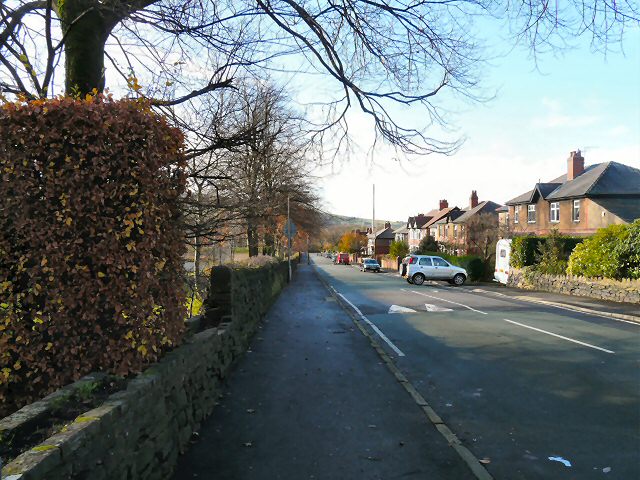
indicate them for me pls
(602, 179)
(439, 215)
(483, 207)
(609, 178)
(385, 233)
(402, 229)
(541, 189)
(621, 207)
(419, 220)
(502, 208)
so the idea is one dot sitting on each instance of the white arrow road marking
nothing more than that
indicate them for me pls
(436, 308)
(559, 336)
(443, 300)
(375, 329)
(399, 309)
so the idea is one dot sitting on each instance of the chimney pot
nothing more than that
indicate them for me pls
(387, 224)
(444, 204)
(575, 165)
(473, 200)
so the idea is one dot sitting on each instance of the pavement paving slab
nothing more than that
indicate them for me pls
(311, 399)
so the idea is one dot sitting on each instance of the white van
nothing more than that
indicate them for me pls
(503, 259)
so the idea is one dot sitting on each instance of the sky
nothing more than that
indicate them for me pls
(575, 99)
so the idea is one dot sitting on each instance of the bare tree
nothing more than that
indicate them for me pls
(378, 53)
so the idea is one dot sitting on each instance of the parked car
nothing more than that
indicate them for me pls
(342, 259)
(369, 264)
(427, 267)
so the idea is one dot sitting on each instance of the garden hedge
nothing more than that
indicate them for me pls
(524, 249)
(90, 241)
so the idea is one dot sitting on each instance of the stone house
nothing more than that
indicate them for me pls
(578, 202)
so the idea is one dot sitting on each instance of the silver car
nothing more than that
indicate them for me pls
(426, 267)
(369, 264)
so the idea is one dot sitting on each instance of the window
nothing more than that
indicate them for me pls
(425, 262)
(554, 213)
(531, 214)
(576, 211)
(516, 214)
(455, 232)
(439, 262)
(503, 253)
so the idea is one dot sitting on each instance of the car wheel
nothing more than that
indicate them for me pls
(418, 279)
(459, 279)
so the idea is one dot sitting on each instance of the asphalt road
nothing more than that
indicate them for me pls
(527, 388)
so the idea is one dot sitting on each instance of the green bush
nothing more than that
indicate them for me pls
(552, 255)
(613, 252)
(427, 244)
(398, 249)
(90, 242)
(526, 251)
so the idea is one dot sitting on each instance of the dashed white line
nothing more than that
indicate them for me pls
(443, 300)
(375, 329)
(558, 336)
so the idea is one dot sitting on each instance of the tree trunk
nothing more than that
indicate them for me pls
(269, 244)
(252, 238)
(86, 25)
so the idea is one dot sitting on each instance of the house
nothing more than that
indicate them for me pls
(435, 226)
(414, 224)
(402, 234)
(479, 219)
(579, 202)
(380, 241)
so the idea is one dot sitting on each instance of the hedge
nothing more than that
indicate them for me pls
(613, 252)
(473, 264)
(90, 242)
(525, 249)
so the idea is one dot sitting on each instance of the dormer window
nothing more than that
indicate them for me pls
(531, 214)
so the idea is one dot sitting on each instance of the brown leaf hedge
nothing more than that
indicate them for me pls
(90, 242)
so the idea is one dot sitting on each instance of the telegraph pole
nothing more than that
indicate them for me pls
(289, 237)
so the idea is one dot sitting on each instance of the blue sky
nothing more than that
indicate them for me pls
(576, 99)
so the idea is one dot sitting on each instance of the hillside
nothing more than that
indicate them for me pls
(332, 220)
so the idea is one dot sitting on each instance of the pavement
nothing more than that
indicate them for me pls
(312, 400)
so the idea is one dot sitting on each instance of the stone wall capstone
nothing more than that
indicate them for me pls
(627, 291)
(139, 432)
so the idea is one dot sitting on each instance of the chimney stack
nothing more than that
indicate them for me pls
(575, 165)
(444, 204)
(387, 224)
(473, 200)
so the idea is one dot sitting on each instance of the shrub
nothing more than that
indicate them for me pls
(526, 251)
(552, 255)
(90, 241)
(628, 251)
(399, 249)
(613, 252)
(427, 244)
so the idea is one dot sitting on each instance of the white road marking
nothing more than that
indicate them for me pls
(559, 336)
(443, 300)
(399, 309)
(375, 329)
(436, 308)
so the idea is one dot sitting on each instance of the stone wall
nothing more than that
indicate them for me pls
(600, 288)
(139, 432)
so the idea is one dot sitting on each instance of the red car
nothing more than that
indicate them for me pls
(342, 258)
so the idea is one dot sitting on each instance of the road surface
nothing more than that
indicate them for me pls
(533, 391)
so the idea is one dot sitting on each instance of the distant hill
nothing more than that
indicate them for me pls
(332, 220)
